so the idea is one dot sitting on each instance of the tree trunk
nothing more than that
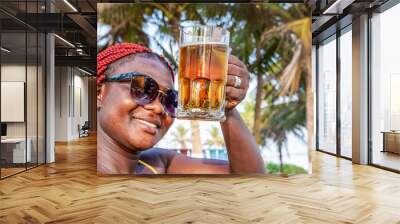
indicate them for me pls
(257, 109)
(183, 144)
(196, 143)
(310, 119)
(280, 158)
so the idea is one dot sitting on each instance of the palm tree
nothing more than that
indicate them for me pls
(196, 139)
(180, 136)
(297, 36)
(125, 22)
(249, 42)
(281, 119)
(216, 139)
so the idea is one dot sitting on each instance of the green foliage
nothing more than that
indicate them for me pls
(288, 169)
(216, 139)
(280, 119)
(180, 136)
(248, 114)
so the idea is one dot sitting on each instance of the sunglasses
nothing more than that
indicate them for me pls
(145, 90)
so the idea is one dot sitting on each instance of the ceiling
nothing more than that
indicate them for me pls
(330, 15)
(74, 22)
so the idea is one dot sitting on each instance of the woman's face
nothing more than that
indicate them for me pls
(131, 125)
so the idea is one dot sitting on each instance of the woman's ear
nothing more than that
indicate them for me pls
(100, 95)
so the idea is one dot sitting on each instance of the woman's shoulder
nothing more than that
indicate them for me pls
(157, 156)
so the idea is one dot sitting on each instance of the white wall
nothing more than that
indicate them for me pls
(71, 93)
(12, 73)
(80, 100)
(61, 103)
(33, 126)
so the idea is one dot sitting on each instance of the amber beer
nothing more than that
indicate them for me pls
(202, 78)
(203, 65)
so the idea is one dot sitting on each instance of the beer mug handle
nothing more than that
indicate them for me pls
(224, 117)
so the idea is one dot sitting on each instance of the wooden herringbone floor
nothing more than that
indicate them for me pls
(69, 191)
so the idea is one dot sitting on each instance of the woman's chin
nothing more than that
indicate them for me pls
(145, 143)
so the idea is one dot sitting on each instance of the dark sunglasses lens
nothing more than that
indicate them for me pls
(144, 89)
(170, 102)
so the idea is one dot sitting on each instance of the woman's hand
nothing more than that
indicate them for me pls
(237, 83)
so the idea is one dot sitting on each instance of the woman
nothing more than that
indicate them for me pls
(136, 106)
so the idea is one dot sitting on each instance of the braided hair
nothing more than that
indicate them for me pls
(117, 52)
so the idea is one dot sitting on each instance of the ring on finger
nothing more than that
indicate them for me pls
(238, 82)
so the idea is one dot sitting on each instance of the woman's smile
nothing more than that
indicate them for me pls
(150, 126)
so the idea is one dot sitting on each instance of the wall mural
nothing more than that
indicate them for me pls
(204, 88)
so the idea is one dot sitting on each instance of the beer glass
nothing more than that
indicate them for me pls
(203, 68)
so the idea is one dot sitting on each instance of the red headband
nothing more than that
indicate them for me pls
(118, 51)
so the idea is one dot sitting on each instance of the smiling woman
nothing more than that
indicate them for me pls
(136, 106)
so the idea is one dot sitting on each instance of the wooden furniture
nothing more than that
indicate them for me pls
(391, 141)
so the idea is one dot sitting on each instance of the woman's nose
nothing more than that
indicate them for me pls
(155, 106)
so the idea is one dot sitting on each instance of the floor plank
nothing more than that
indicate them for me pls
(69, 191)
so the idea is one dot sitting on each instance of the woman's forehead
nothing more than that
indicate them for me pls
(149, 66)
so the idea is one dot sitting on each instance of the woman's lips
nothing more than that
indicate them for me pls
(147, 123)
(148, 127)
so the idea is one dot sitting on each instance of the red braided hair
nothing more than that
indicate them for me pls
(118, 51)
